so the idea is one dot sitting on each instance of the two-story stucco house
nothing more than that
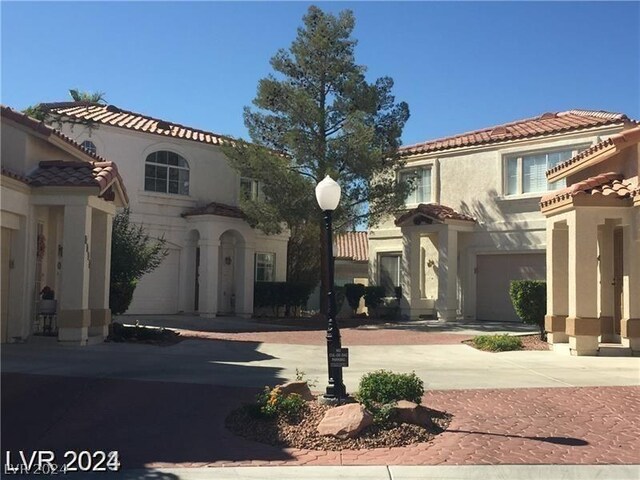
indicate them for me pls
(58, 201)
(182, 187)
(474, 224)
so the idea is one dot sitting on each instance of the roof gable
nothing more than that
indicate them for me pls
(427, 213)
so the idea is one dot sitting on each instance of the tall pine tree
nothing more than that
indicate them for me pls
(317, 115)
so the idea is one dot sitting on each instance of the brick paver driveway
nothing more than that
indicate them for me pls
(162, 424)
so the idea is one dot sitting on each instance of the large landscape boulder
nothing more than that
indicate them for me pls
(346, 421)
(409, 412)
(301, 388)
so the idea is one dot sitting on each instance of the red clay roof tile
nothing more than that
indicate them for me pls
(115, 116)
(436, 211)
(352, 246)
(215, 208)
(610, 184)
(545, 124)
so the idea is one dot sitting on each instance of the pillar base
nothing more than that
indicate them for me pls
(633, 344)
(557, 337)
(584, 345)
(73, 335)
(99, 331)
(447, 315)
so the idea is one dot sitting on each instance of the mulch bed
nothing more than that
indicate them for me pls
(161, 337)
(302, 433)
(529, 342)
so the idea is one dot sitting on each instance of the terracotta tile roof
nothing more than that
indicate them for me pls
(622, 139)
(214, 208)
(58, 173)
(435, 211)
(43, 129)
(352, 246)
(609, 184)
(545, 124)
(118, 117)
(16, 176)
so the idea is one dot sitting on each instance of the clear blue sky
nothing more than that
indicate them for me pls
(460, 66)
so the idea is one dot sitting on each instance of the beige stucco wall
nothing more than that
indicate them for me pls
(471, 181)
(211, 179)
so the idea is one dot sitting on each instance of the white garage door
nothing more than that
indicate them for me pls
(494, 275)
(157, 292)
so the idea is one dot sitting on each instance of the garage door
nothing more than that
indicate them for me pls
(157, 292)
(494, 275)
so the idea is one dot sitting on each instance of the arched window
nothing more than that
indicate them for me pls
(89, 146)
(166, 172)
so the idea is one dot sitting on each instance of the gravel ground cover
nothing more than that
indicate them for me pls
(302, 433)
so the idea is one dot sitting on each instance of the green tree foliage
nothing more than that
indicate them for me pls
(38, 112)
(133, 254)
(529, 298)
(317, 115)
(91, 97)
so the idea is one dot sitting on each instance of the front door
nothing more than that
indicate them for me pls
(226, 292)
(618, 278)
(4, 299)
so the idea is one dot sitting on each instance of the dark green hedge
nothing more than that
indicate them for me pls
(278, 295)
(529, 298)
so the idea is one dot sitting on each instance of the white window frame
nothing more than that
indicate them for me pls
(169, 169)
(396, 254)
(519, 159)
(411, 199)
(272, 265)
(254, 186)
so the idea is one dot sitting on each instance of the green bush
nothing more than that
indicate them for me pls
(120, 296)
(276, 295)
(271, 403)
(497, 343)
(373, 296)
(529, 298)
(383, 387)
(354, 292)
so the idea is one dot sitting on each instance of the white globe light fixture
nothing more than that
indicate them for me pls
(328, 194)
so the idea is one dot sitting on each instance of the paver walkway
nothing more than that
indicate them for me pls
(161, 424)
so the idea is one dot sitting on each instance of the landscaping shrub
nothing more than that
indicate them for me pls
(120, 296)
(271, 403)
(529, 298)
(373, 296)
(497, 343)
(278, 295)
(354, 292)
(382, 387)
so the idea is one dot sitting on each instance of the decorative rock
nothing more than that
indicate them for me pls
(409, 412)
(301, 388)
(345, 421)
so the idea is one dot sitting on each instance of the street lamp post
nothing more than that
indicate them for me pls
(328, 196)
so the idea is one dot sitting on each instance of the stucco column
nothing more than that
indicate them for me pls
(208, 297)
(447, 303)
(557, 282)
(245, 279)
(630, 326)
(583, 325)
(605, 281)
(100, 271)
(74, 316)
(410, 272)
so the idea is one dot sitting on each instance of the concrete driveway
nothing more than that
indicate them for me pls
(252, 364)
